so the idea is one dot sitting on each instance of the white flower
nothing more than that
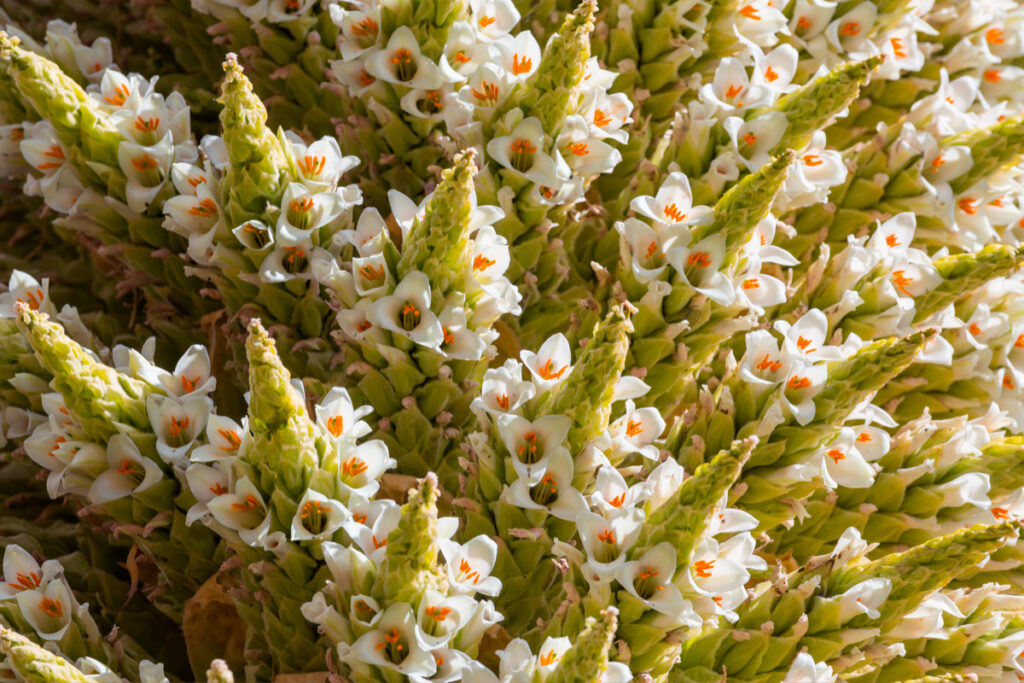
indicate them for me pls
(492, 19)
(730, 88)
(612, 496)
(464, 52)
(22, 573)
(206, 482)
(802, 384)
(646, 247)
(317, 517)
(673, 204)
(244, 511)
(295, 262)
(407, 312)
(970, 488)
(370, 524)
(583, 151)
(193, 214)
(225, 439)
(841, 464)
(469, 566)
(360, 29)
(401, 62)
(550, 653)
(396, 643)
(48, 610)
(551, 364)
(304, 210)
(552, 492)
(440, 617)
(649, 579)
(804, 340)
(22, 287)
(129, 472)
(504, 390)
(754, 140)
(487, 88)
(177, 423)
(191, 374)
(636, 431)
(662, 482)
(531, 443)
(606, 541)
(336, 414)
(760, 21)
(362, 466)
(321, 164)
(522, 151)
(519, 56)
(926, 621)
(864, 598)
(698, 266)
(806, 670)
(460, 342)
(607, 114)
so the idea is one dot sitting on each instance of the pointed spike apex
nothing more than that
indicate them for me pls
(410, 565)
(810, 108)
(919, 571)
(438, 243)
(682, 518)
(586, 394)
(273, 401)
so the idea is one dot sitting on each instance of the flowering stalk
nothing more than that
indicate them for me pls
(111, 456)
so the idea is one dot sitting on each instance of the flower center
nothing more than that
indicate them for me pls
(313, 516)
(703, 568)
(646, 583)
(231, 436)
(177, 431)
(527, 451)
(545, 491)
(51, 608)
(394, 647)
(336, 425)
(410, 317)
(547, 372)
(487, 94)
(521, 154)
(405, 65)
(521, 65)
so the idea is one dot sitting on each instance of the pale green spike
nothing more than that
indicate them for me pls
(553, 91)
(587, 659)
(34, 664)
(992, 148)
(918, 572)
(586, 394)
(78, 120)
(259, 164)
(964, 273)
(437, 243)
(103, 400)
(744, 204)
(287, 445)
(410, 565)
(810, 108)
(682, 518)
(851, 380)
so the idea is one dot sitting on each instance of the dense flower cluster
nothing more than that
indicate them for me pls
(508, 341)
